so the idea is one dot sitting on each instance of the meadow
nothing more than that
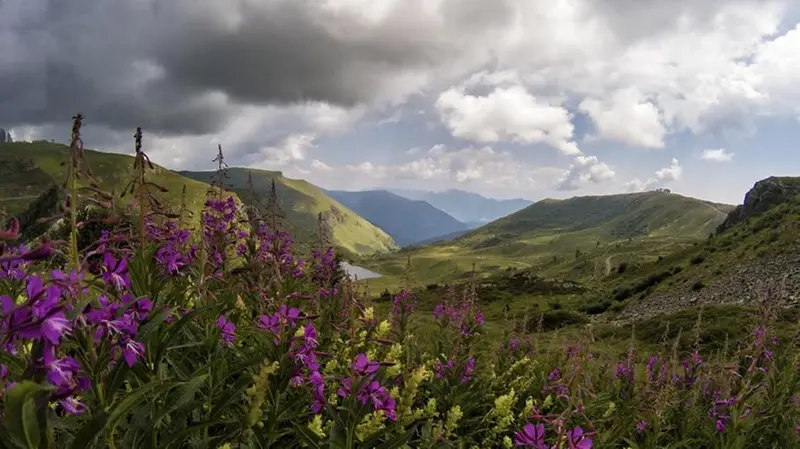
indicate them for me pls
(145, 328)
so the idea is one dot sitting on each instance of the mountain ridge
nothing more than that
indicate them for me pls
(466, 206)
(407, 221)
(302, 201)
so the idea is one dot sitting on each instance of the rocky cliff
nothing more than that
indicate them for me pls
(765, 194)
(5, 136)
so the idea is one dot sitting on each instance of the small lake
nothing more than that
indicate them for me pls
(359, 272)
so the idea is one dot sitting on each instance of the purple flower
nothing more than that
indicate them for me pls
(131, 351)
(641, 426)
(227, 329)
(363, 367)
(72, 405)
(720, 425)
(115, 272)
(577, 440)
(531, 436)
(469, 368)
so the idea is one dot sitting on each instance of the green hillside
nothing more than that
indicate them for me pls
(302, 202)
(28, 169)
(580, 238)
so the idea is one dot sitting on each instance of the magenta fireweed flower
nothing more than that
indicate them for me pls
(577, 440)
(115, 272)
(132, 351)
(720, 425)
(41, 317)
(641, 426)
(531, 436)
(363, 367)
(623, 372)
(227, 330)
(469, 368)
(15, 267)
(554, 375)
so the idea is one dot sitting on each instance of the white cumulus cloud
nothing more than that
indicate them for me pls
(717, 155)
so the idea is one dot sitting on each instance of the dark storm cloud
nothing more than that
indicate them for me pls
(169, 66)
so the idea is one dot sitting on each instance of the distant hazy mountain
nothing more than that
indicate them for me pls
(406, 220)
(467, 207)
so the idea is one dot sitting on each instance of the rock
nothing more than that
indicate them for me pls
(5, 136)
(764, 195)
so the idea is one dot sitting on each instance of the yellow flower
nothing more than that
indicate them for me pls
(369, 314)
(454, 415)
(370, 424)
(301, 331)
(316, 426)
(507, 442)
(383, 329)
(503, 411)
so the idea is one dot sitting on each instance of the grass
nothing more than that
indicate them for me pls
(581, 238)
(302, 201)
(31, 168)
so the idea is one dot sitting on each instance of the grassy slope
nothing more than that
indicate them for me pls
(773, 234)
(112, 171)
(632, 228)
(302, 202)
(759, 240)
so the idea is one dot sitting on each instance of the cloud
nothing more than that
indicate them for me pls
(186, 66)
(717, 155)
(583, 170)
(319, 165)
(661, 177)
(626, 116)
(250, 74)
(505, 113)
(671, 173)
(293, 149)
(477, 167)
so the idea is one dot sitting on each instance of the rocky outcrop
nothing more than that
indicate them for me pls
(5, 136)
(765, 194)
(745, 284)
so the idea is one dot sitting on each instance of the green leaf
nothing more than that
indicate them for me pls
(131, 400)
(89, 431)
(307, 436)
(20, 412)
(398, 441)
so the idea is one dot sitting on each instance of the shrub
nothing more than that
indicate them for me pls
(698, 285)
(597, 307)
(698, 259)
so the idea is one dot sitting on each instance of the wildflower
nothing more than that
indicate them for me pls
(362, 366)
(315, 426)
(115, 272)
(132, 350)
(468, 370)
(720, 426)
(227, 329)
(641, 426)
(41, 252)
(577, 440)
(531, 436)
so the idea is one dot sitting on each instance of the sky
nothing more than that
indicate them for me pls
(507, 98)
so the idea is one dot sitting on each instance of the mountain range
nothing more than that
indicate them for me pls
(407, 221)
(469, 208)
